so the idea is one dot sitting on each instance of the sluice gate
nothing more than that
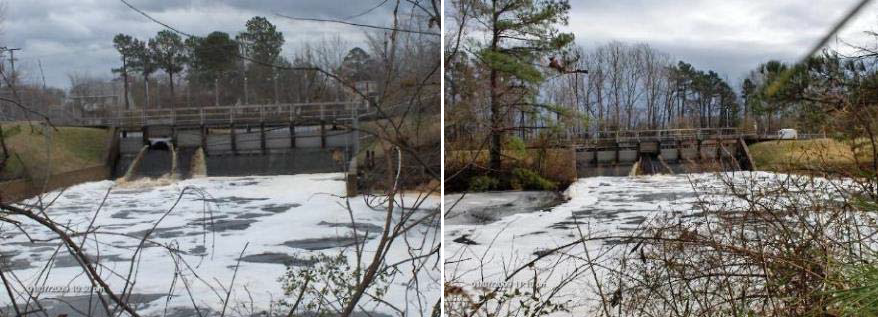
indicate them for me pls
(235, 150)
(662, 152)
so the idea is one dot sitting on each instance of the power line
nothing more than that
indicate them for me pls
(785, 76)
(361, 25)
(237, 55)
(367, 11)
(267, 64)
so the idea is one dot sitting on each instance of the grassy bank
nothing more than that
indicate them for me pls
(803, 155)
(532, 169)
(419, 137)
(33, 154)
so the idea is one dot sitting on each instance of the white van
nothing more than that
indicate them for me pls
(787, 134)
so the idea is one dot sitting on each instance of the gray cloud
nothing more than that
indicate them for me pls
(731, 37)
(75, 36)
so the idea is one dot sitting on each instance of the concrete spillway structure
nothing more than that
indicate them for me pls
(154, 161)
(131, 166)
(235, 151)
(668, 156)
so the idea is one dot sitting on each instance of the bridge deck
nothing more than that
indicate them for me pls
(603, 138)
(299, 113)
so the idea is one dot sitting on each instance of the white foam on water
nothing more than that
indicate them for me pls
(257, 203)
(603, 206)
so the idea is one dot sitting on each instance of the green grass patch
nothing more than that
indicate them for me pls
(522, 169)
(525, 179)
(817, 154)
(483, 183)
(34, 152)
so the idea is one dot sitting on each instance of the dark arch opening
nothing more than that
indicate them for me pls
(159, 145)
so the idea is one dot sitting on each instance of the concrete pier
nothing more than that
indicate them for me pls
(259, 149)
(662, 153)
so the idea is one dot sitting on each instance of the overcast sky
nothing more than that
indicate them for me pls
(731, 37)
(76, 35)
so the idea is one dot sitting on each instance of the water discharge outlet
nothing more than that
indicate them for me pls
(129, 175)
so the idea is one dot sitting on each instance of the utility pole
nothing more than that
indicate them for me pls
(158, 94)
(276, 99)
(188, 95)
(146, 82)
(11, 82)
(43, 75)
(12, 62)
(243, 51)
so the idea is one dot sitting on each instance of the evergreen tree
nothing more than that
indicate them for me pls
(170, 55)
(262, 44)
(144, 61)
(212, 56)
(125, 45)
(356, 65)
(521, 34)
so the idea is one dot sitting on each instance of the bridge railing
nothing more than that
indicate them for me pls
(244, 114)
(799, 136)
(657, 135)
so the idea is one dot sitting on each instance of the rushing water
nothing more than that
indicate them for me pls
(282, 220)
(481, 254)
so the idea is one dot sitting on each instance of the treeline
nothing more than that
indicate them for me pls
(826, 94)
(514, 79)
(613, 87)
(636, 87)
(169, 70)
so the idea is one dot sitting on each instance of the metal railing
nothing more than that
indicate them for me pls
(242, 114)
(799, 136)
(679, 134)
(658, 135)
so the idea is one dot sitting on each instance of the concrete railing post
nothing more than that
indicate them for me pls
(262, 137)
(351, 181)
(322, 134)
(292, 135)
(233, 139)
(617, 151)
(698, 147)
(204, 138)
(144, 134)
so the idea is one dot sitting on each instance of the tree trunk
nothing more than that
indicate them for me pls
(125, 84)
(495, 153)
(146, 95)
(496, 128)
(171, 81)
(4, 157)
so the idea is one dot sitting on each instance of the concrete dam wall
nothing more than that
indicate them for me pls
(241, 151)
(665, 157)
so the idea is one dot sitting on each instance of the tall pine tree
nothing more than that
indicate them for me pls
(522, 34)
(126, 46)
(170, 55)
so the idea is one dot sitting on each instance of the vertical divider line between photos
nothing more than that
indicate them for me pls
(442, 157)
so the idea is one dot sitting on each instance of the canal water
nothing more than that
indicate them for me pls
(283, 220)
(488, 235)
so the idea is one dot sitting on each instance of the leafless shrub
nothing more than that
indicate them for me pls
(753, 247)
